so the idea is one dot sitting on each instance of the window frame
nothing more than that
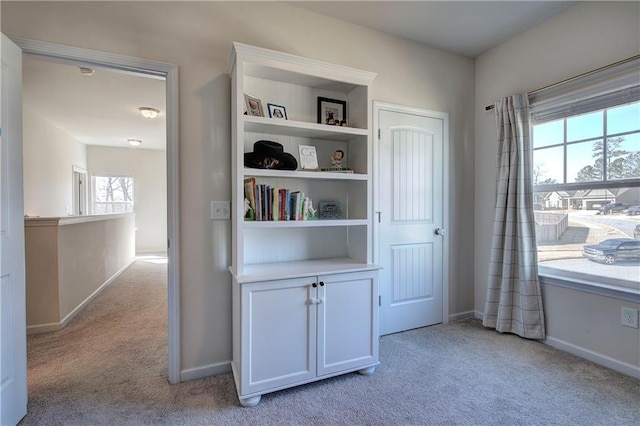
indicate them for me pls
(601, 89)
(94, 176)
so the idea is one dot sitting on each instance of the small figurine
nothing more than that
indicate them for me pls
(311, 210)
(336, 159)
(248, 211)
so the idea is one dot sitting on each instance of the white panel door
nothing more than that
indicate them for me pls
(13, 325)
(279, 334)
(410, 205)
(347, 322)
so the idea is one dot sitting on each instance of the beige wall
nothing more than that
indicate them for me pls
(584, 37)
(68, 262)
(49, 154)
(197, 37)
(149, 170)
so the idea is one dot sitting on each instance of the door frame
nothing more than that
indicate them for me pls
(97, 59)
(379, 106)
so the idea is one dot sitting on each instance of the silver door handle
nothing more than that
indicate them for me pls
(440, 232)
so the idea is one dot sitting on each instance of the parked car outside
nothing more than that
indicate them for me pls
(613, 250)
(611, 208)
(632, 211)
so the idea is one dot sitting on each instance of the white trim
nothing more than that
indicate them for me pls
(93, 295)
(614, 364)
(461, 316)
(377, 107)
(43, 328)
(205, 371)
(605, 290)
(128, 64)
(328, 70)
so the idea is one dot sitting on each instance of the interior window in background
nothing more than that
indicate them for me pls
(586, 175)
(112, 194)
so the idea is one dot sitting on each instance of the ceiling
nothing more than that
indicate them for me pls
(98, 109)
(468, 28)
(102, 109)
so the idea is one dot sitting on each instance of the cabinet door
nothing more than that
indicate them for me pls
(278, 334)
(347, 322)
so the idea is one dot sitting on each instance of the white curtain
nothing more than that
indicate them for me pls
(514, 301)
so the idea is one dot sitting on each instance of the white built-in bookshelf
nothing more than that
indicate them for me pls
(305, 292)
(296, 83)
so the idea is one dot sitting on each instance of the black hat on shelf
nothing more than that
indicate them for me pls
(269, 155)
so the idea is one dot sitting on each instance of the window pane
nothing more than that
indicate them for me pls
(546, 134)
(625, 118)
(113, 194)
(577, 233)
(623, 157)
(585, 162)
(586, 126)
(548, 165)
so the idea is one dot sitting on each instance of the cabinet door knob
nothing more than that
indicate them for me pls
(321, 283)
(314, 285)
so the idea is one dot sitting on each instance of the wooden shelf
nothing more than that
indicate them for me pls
(306, 268)
(301, 174)
(274, 126)
(319, 223)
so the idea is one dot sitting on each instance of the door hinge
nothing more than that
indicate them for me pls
(379, 300)
(379, 134)
(168, 243)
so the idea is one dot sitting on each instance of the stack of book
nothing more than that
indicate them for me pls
(266, 203)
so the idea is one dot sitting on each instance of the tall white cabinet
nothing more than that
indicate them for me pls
(305, 292)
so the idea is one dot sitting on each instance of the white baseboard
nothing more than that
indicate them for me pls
(205, 371)
(93, 295)
(461, 315)
(478, 315)
(614, 364)
(44, 328)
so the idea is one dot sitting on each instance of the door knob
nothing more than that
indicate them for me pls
(440, 232)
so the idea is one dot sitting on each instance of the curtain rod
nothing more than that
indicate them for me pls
(568, 80)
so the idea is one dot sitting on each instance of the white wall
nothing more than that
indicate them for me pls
(149, 170)
(584, 37)
(197, 36)
(49, 155)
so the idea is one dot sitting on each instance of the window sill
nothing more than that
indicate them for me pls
(576, 282)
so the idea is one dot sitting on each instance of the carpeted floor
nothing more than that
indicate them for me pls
(108, 367)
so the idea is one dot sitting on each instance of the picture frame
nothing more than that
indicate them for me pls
(329, 210)
(332, 112)
(253, 105)
(277, 111)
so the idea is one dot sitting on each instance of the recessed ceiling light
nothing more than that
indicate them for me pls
(86, 71)
(149, 112)
(134, 142)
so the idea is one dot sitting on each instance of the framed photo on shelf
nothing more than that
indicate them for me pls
(277, 111)
(329, 210)
(332, 112)
(253, 105)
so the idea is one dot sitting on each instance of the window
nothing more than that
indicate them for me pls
(586, 176)
(112, 194)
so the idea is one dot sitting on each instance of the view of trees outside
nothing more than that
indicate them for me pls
(569, 154)
(113, 194)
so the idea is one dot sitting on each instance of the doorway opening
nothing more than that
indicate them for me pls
(84, 58)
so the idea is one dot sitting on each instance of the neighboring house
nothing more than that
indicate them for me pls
(197, 37)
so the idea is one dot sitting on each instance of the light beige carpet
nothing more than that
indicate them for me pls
(108, 367)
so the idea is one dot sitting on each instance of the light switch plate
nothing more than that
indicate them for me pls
(220, 210)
